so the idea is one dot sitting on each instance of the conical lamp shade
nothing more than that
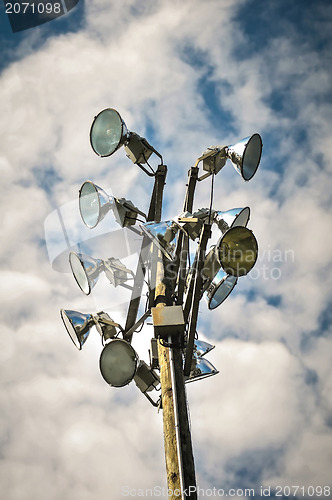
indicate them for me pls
(232, 218)
(219, 289)
(94, 204)
(202, 348)
(237, 251)
(164, 235)
(86, 270)
(246, 155)
(201, 368)
(108, 132)
(78, 326)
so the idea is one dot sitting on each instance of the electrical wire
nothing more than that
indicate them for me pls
(211, 197)
(148, 164)
(136, 219)
(146, 308)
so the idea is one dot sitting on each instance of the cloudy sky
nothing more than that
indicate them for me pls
(186, 75)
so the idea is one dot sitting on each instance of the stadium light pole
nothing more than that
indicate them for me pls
(175, 287)
(179, 457)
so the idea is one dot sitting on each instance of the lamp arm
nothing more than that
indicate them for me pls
(111, 264)
(182, 250)
(148, 145)
(132, 208)
(211, 152)
(196, 285)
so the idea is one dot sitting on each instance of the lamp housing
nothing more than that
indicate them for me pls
(245, 156)
(201, 348)
(109, 132)
(146, 378)
(78, 325)
(86, 271)
(138, 149)
(95, 203)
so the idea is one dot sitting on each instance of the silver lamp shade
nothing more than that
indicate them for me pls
(232, 218)
(78, 325)
(118, 363)
(94, 204)
(201, 368)
(108, 132)
(86, 270)
(201, 348)
(246, 155)
(219, 288)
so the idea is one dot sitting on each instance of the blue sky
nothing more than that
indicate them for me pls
(186, 75)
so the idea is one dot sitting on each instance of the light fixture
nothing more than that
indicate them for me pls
(218, 289)
(78, 325)
(118, 363)
(192, 224)
(221, 274)
(200, 368)
(231, 218)
(245, 156)
(201, 348)
(109, 132)
(86, 271)
(94, 203)
(236, 252)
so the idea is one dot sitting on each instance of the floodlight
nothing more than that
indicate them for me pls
(201, 348)
(237, 251)
(231, 218)
(108, 132)
(86, 271)
(118, 363)
(200, 368)
(219, 288)
(78, 325)
(246, 155)
(94, 203)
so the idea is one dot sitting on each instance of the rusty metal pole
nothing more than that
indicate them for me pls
(179, 458)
